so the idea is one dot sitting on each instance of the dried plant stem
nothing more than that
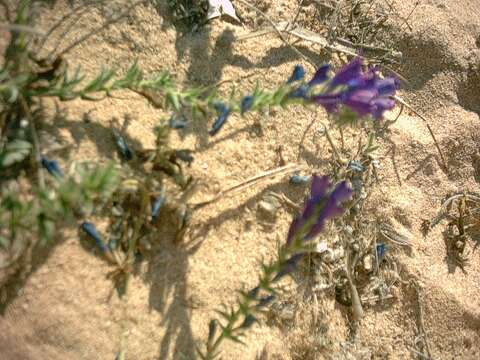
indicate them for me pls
(332, 145)
(421, 327)
(377, 298)
(357, 309)
(22, 28)
(297, 14)
(301, 34)
(447, 202)
(315, 309)
(290, 168)
(279, 32)
(401, 101)
(36, 142)
(418, 353)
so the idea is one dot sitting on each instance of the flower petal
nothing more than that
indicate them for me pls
(386, 86)
(329, 101)
(381, 105)
(320, 185)
(341, 192)
(347, 73)
(361, 101)
(321, 75)
(52, 167)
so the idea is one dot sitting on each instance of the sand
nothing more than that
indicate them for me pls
(65, 308)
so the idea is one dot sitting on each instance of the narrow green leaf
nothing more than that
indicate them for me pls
(15, 151)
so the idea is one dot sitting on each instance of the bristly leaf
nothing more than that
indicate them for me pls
(212, 329)
(237, 340)
(248, 322)
(14, 152)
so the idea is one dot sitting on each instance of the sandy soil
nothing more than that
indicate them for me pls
(66, 309)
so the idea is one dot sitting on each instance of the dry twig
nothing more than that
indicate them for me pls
(287, 169)
(279, 32)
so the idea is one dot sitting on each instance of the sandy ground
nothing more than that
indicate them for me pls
(66, 309)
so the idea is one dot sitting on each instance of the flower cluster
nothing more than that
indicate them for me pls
(321, 206)
(364, 92)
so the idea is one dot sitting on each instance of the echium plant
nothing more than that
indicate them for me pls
(67, 197)
(352, 93)
(323, 204)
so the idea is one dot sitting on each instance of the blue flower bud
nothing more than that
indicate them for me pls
(52, 167)
(223, 112)
(246, 104)
(297, 74)
(91, 231)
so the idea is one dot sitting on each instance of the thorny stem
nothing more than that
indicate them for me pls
(264, 283)
(332, 145)
(356, 303)
(296, 246)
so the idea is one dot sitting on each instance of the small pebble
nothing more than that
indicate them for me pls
(367, 263)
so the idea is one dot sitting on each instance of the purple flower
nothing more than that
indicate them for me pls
(297, 74)
(349, 72)
(364, 92)
(323, 204)
(319, 208)
(321, 75)
(223, 112)
(381, 250)
(122, 146)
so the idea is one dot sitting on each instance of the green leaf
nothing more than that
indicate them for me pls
(237, 340)
(212, 328)
(174, 100)
(15, 151)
